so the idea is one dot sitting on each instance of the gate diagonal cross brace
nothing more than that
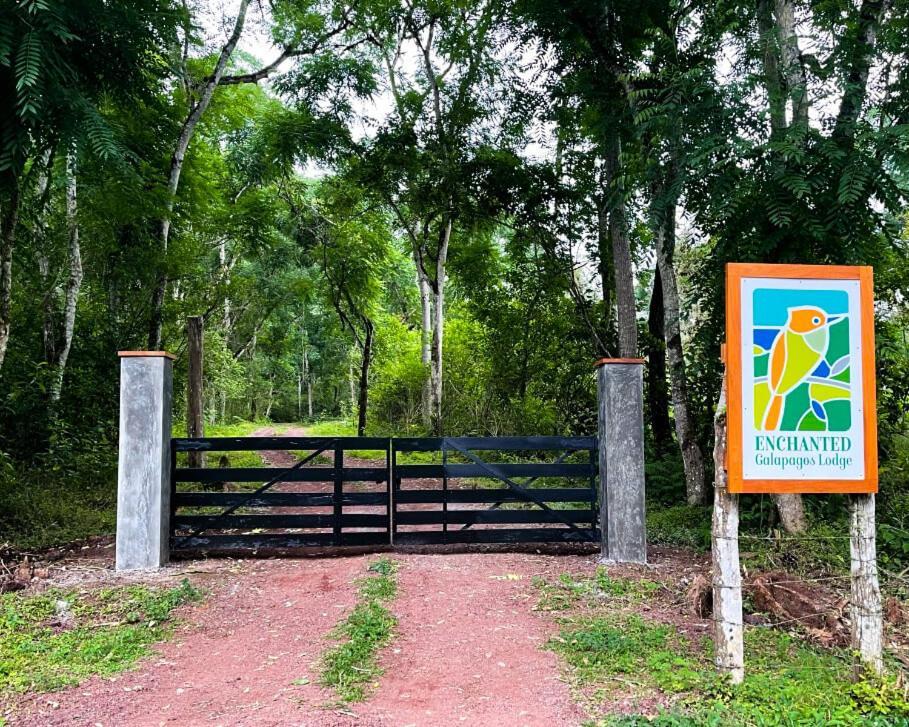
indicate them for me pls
(508, 481)
(273, 481)
(527, 483)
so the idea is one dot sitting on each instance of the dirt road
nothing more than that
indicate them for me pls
(467, 650)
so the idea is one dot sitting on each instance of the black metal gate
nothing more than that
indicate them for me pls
(465, 498)
(316, 501)
(387, 491)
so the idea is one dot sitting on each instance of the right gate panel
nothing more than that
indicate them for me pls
(494, 490)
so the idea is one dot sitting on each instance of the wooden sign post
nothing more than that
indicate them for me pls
(799, 417)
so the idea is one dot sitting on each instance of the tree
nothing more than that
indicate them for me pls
(57, 61)
(315, 29)
(424, 162)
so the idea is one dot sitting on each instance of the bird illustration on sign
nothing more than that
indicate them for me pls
(801, 360)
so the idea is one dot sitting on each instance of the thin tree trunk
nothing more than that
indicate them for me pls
(271, 398)
(363, 401)
(156, 320)
(626, 309)
(425, 341)
(195, 424)
(657, 390)
(73, 283)
(48, 328)
(692, 459)
(607, 274)
(351, 385)
(438, 327)
(309, 397)
(7, 243)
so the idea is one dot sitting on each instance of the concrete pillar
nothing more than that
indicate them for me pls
(620, 390)
(143, 471)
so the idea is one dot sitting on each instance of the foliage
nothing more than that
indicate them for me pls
(351, 666)
(60, 638)
(788, 682)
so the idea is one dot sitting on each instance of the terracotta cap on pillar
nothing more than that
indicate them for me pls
(146, 354)
(604, 361)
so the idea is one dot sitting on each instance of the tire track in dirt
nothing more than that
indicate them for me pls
(469, 648)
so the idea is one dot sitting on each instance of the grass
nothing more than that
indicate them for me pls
(59, 638)
(351, 667)
(610, 650)
(573, 590)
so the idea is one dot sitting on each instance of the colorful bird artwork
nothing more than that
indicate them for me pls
(796, 352)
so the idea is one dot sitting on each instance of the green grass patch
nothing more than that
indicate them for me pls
(573, 590)
(60, 638)
(601, 648)
(350, 668)
(789, 682)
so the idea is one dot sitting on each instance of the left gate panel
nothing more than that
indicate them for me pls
(280, 492)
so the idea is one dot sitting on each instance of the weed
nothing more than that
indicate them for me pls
(788, 682)
(571, 590)
(350, 666)
(59, 638)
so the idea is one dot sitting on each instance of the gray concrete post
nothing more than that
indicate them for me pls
(143, 470)
(620, 390)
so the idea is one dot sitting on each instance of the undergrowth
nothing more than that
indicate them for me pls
(61, 637)
(611, 649)
(351, 667)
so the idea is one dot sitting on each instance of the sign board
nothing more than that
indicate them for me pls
(800, 377)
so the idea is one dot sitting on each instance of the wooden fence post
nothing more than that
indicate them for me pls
(867, 616)
(727, 575)
(620, 389)
(143, 469)
(195, 420)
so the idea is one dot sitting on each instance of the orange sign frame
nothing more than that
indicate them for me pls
(737, 483)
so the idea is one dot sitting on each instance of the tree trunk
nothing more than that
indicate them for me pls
(871, 15)
(728, 635)
(438, 327)
(626, 309)
(195, 423)
(271, 398)
(351, 385)
(156, 320)
(73, 283)
(425, 342)
(792, 513)
(791, 63)
(309, 397)
(299, 396)
(692, 459)
(607, 273)
(48, 326)
(7, 243)
(363, 401)
(657, 393)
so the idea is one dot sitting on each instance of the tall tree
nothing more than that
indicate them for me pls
(317, 28)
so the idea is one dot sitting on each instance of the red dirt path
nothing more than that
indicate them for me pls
(467, 651)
